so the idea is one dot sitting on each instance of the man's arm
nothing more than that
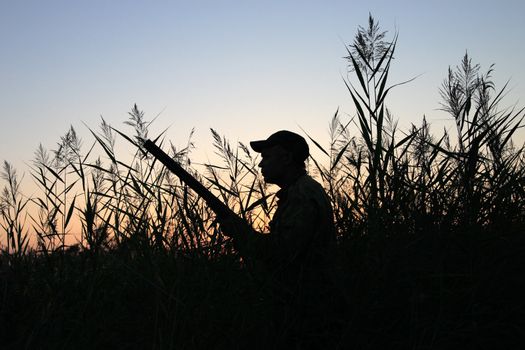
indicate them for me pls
(293, 233)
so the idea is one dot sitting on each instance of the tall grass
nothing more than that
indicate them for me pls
(430, 241)
(12, 213)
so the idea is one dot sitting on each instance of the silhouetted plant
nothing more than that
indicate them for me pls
(369, 47)
(12, 213)
(486, 158)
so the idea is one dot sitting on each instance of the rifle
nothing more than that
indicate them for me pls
(221, 209)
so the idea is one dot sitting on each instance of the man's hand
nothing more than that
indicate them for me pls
(234, 226)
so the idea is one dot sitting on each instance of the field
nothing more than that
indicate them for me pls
(430, 251)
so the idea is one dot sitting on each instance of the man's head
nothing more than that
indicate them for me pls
(283, 156)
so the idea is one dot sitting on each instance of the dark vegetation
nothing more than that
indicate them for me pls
(430, 232)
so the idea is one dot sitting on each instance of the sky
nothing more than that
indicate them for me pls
(243, 68)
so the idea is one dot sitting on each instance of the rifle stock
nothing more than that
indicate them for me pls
(221, 209)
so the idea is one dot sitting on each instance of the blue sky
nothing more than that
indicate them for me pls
(244, 68)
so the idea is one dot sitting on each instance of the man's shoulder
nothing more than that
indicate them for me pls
(308, 181)
(308, 187)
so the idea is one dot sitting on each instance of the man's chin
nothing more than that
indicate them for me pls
(268, 180)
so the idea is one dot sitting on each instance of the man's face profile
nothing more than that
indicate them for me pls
(274, 164)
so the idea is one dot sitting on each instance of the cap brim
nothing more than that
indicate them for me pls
(258, 146)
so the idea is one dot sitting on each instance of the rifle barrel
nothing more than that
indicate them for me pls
(213, 202)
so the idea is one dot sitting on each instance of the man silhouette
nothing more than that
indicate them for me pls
(294, 253)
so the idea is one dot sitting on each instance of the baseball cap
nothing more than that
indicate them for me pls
(292, 142)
